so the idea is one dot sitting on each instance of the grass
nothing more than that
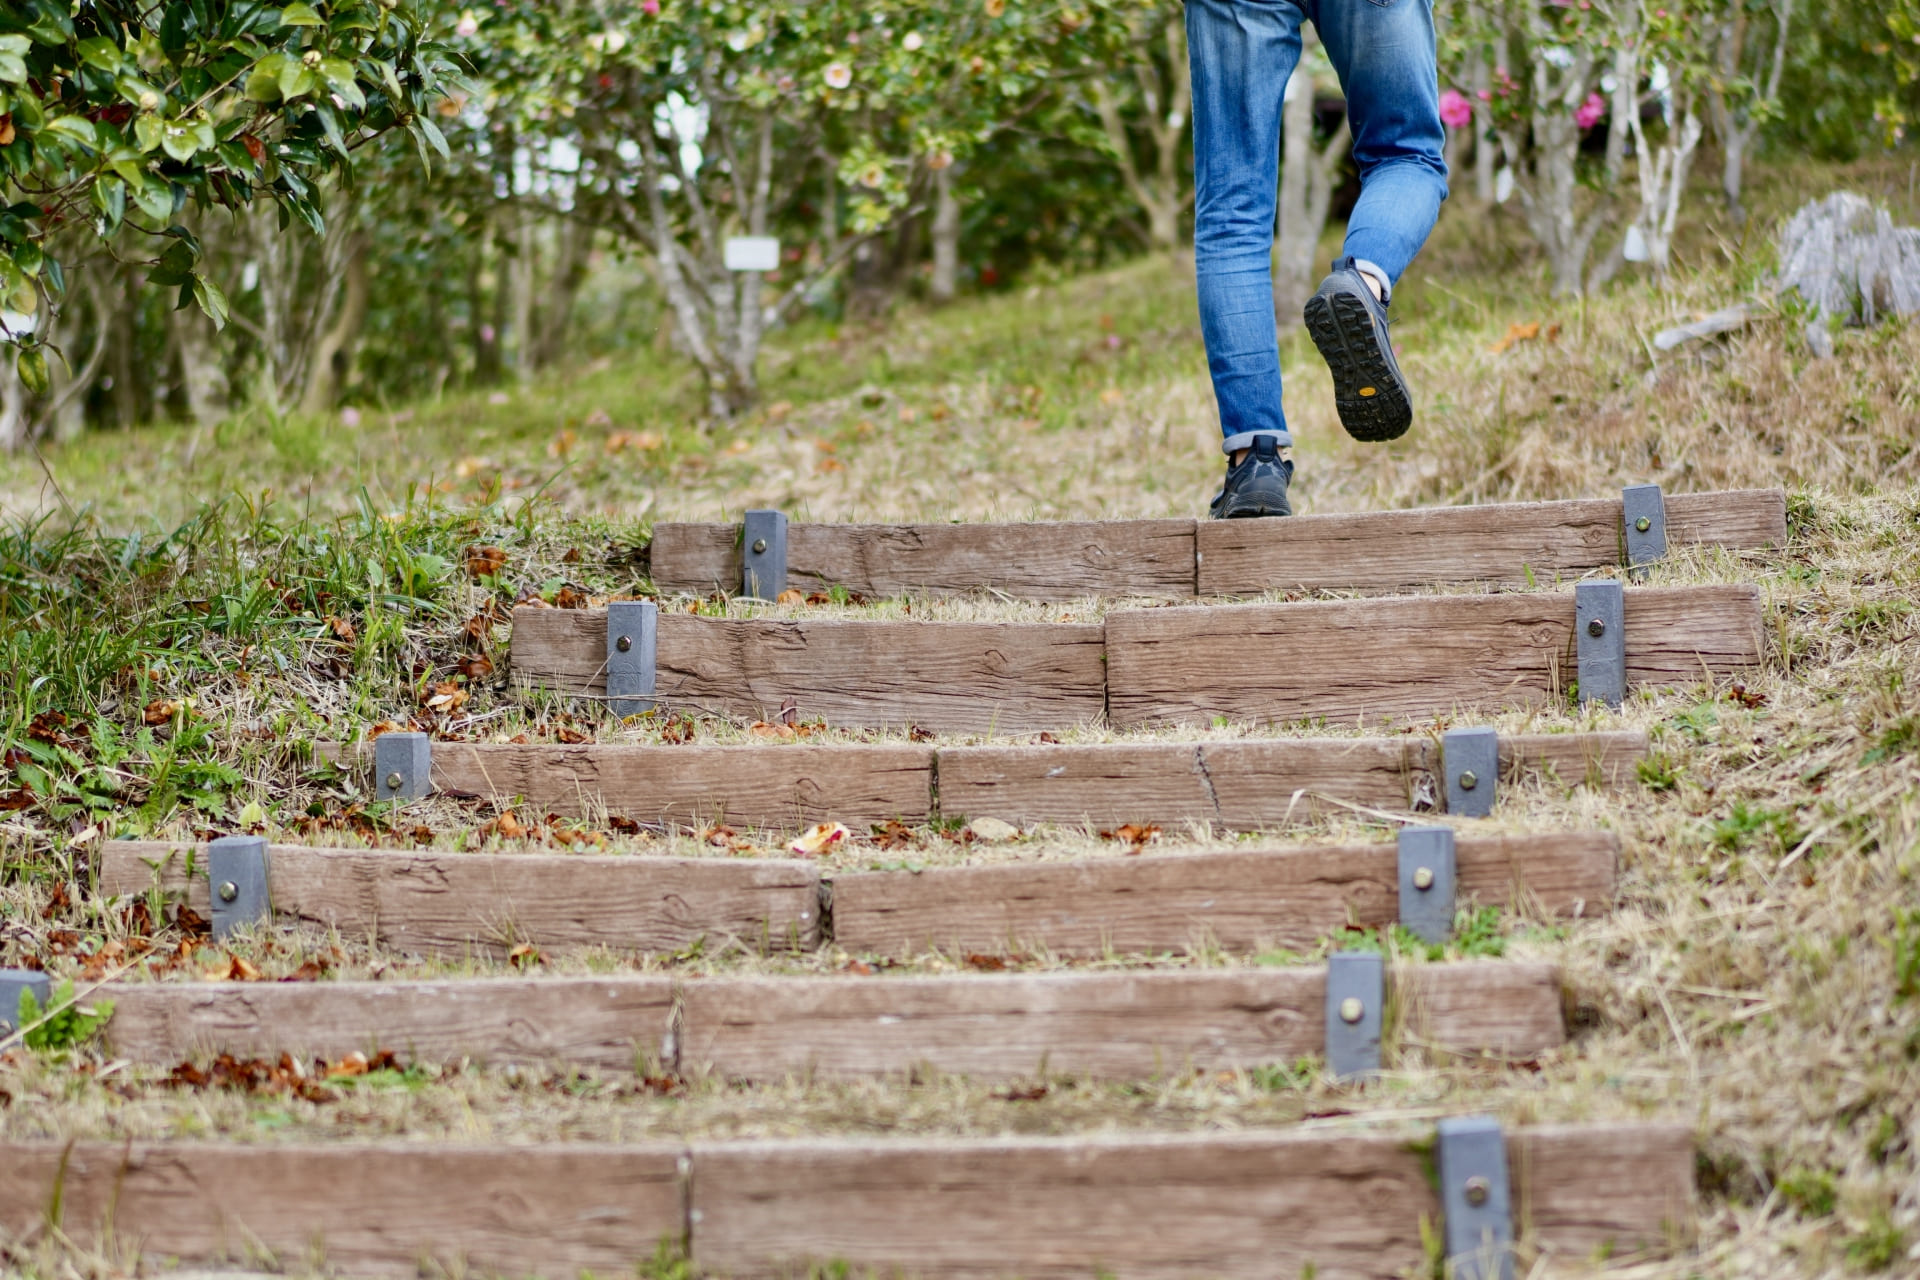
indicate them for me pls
(1758, 979)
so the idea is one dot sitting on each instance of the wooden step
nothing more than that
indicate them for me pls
(463, 902)
(459, 903)
(1134, 1025)
(1506, 543)
(1362, 660)
(1352, 1201)
(1347, 660)
(1235, 785)
(1242, 901)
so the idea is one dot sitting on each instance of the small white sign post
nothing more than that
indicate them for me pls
(753, 253)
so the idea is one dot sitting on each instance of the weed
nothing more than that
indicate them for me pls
(1906, 955)
(1656, 772)
(1812, 1192)
(1279, 1077)
(1877, 1245)
(68, 1025)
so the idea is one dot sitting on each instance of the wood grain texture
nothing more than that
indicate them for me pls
(1353, 660)
(1243, 900)
(597, 1022)
(1042, 561)
(368, 1209)
(960, 677)
(460, 902)
(778, 786)
(1120, 1025)
(1498, 543)
(1259, 1205)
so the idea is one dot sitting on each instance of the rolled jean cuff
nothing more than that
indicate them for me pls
(1244, 440)
(1379, 275)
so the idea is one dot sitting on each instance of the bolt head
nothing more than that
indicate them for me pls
(1423, 878)
(759, 546)
(1596, 628)
(229, 891)
(1478, 1189)
(1642, 524)
(1469, 780)
(1351, 1009)
(624, 644)
(394, 780)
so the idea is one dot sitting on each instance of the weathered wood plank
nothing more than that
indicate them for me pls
(1498, 543)
(1333, 1204)
(460, 902)
(1367, 659)
(371, 1209)
(597, 1022)
(778, 786)
(1041, 561)
(946, 676)
(1125, 1025)
(1242, 900)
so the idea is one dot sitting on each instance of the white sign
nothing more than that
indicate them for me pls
(753, 253)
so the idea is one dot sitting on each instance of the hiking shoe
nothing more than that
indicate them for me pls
(1257, 485)
(1349, 325)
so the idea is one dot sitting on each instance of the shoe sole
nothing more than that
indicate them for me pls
(1373, 402)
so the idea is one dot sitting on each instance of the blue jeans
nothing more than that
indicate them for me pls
(1243, 52)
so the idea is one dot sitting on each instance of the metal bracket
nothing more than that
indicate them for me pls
(1471, 759)
(1427, 878)
(12, 983)
(1356, 994)
(763, 555)
(633, 648)
(237, 879)
(1600, 640)
(402, 766)
(1475, 1199)
(1644, 513)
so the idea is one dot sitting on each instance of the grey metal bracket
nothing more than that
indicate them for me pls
(1644, 513)
(1475, 1199)
(237, 882)
(633, 648)
(402, 766)
(1427, 879)
(763, 555)
(1600, 640)
(1471, 760)
(1356, 994)
(12, 983)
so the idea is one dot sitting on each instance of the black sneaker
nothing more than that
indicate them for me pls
(1257, 485)
(1349, 325)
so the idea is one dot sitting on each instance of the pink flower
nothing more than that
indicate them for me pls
(1455, 111)
(650, 7)
(1590, 112)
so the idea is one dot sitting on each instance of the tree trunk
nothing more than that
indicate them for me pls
(333, 353)
(15, 424)
(946, 237)
(1163, 195)
(575, 245)
(520, 273)
(1484, 150)
(1306, 192)
(203, 378)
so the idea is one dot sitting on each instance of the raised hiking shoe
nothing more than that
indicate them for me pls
(1257, 484)
(1349, 325)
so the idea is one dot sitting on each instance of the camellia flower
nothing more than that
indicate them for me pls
(873, 176)
(469, 24)
(942, 159)
(1590, 112)
(1455, 111)
(839, 75)
(912, 42)
(650, 7)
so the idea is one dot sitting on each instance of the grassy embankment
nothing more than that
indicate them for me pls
(1760, 979)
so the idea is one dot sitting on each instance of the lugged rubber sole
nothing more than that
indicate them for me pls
(1374, 403)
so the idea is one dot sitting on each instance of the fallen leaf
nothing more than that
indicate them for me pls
(445, 696)
(1024, 1093)
(162, 710)
(894, 835)
(475, 666)
(231, 968)
(342, 629)
(354, 1064)
(761, 729)
(1134, 834)
(829, 465)
(525, 956)
(485, 562)
(1517, 333)
(818, 838)
(993, 830)
(985, 963)
(790, 596)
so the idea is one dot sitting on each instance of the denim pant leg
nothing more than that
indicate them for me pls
(1383, 52)
(1242, 53)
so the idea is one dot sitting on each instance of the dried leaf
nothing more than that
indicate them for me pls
(1134, 834)
(791, 596)
(486, 562)
(162, 710)
(818, 839)
(782, 732)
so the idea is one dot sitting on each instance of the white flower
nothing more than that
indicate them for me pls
(607, 42)
(469, 23)
(839, 75)
(912, 42)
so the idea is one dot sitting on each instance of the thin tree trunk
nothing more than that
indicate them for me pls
(203, 379)
(946, 237)
(574, 251)
(1306, 192)
(520, 273)
(1484, 150)
(332, 359)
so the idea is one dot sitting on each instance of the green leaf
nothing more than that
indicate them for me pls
(175, 266)
(31, 364)
(13, 68)
(101, 52)
(338, 73)
(148, 131)
(75, 129)
(301, 15)
(211, 300)
(264, 84)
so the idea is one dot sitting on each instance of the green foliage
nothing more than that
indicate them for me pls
(1906, 955)
(1279, 1077)
(1877, 1245)
(118, 115)
(1657, 772)
(70, 1023)
(1812, 1192)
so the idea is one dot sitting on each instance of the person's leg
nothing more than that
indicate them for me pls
(1242, 54)
(1384, 54)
